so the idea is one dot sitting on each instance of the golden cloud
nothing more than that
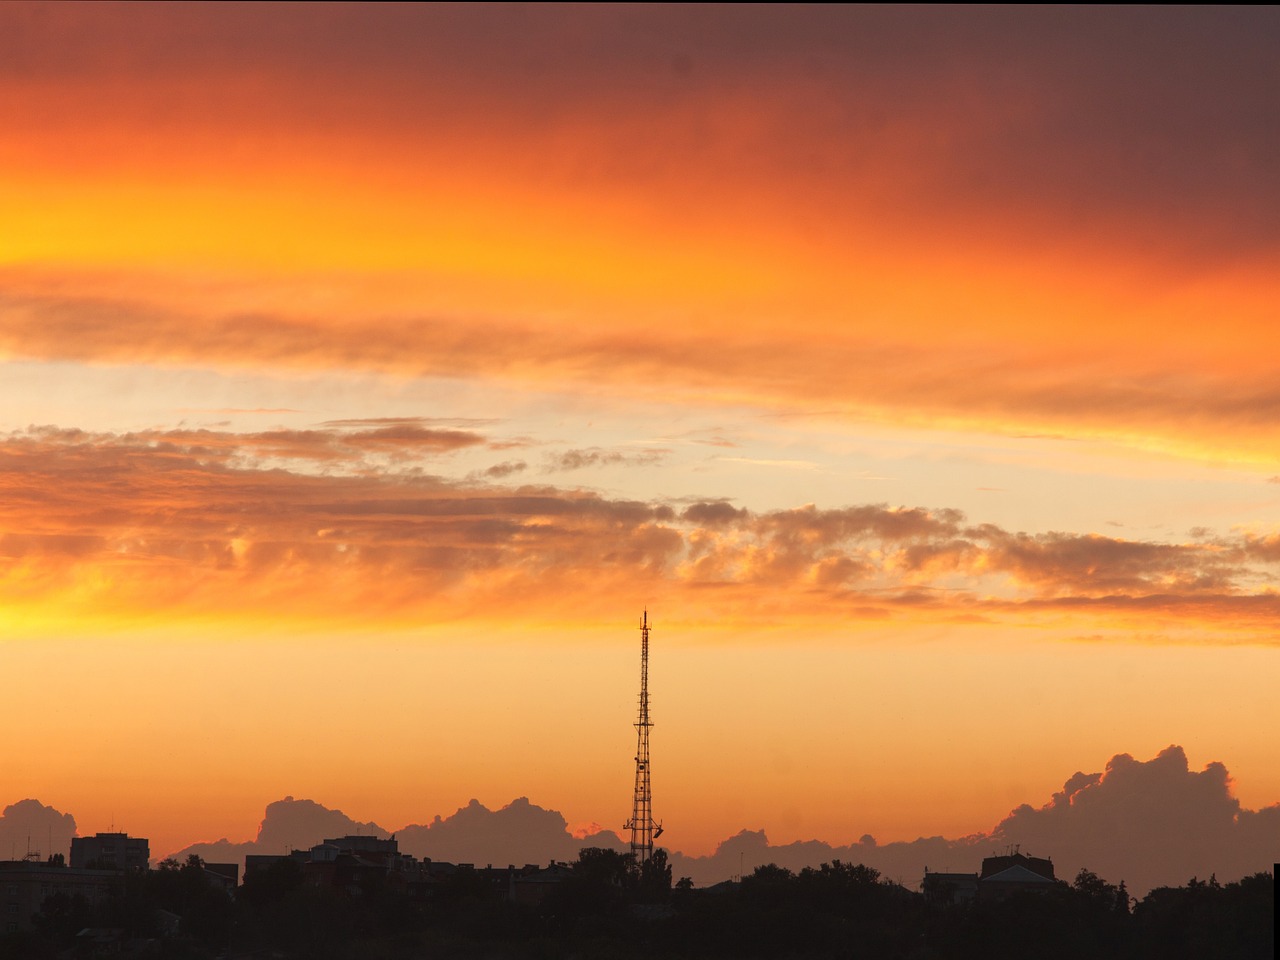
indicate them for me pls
(192, 523)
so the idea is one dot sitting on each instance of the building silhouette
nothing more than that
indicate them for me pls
(26, 884)
(1000, 877)
(110, 851)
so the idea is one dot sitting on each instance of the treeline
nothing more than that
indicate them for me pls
(847, 910)
(607, 909)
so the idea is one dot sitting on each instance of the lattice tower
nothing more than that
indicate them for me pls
(643, 829)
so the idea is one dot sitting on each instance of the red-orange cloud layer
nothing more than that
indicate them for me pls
(1019, 220)
(1085, 119)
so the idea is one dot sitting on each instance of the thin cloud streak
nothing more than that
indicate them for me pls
(569, 460)
(1012, 390)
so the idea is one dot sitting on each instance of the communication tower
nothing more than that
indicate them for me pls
(643, 830)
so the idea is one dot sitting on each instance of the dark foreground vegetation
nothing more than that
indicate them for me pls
(604, 909)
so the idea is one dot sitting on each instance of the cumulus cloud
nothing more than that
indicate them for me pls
(1152, 823)
(1149, 823)
(286, 825)
(518, 833)
(30, 826)
(1098, 565)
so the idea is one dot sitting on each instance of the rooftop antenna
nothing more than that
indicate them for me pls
(641, 825)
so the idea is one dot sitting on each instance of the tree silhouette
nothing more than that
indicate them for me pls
(655, 878)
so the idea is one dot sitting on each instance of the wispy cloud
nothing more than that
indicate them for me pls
(772, 462)
(596, 457)
(397, 443)
(390, 422)
(222, 411)
(500, 471)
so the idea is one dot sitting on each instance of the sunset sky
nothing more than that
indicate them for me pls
(365, 371)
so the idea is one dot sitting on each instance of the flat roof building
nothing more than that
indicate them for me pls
(110, 851)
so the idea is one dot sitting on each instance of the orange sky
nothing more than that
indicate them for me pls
(434, 336)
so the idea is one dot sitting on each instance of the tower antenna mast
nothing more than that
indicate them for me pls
(641, 825)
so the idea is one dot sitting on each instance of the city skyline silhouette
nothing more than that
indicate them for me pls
(1115, 823)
